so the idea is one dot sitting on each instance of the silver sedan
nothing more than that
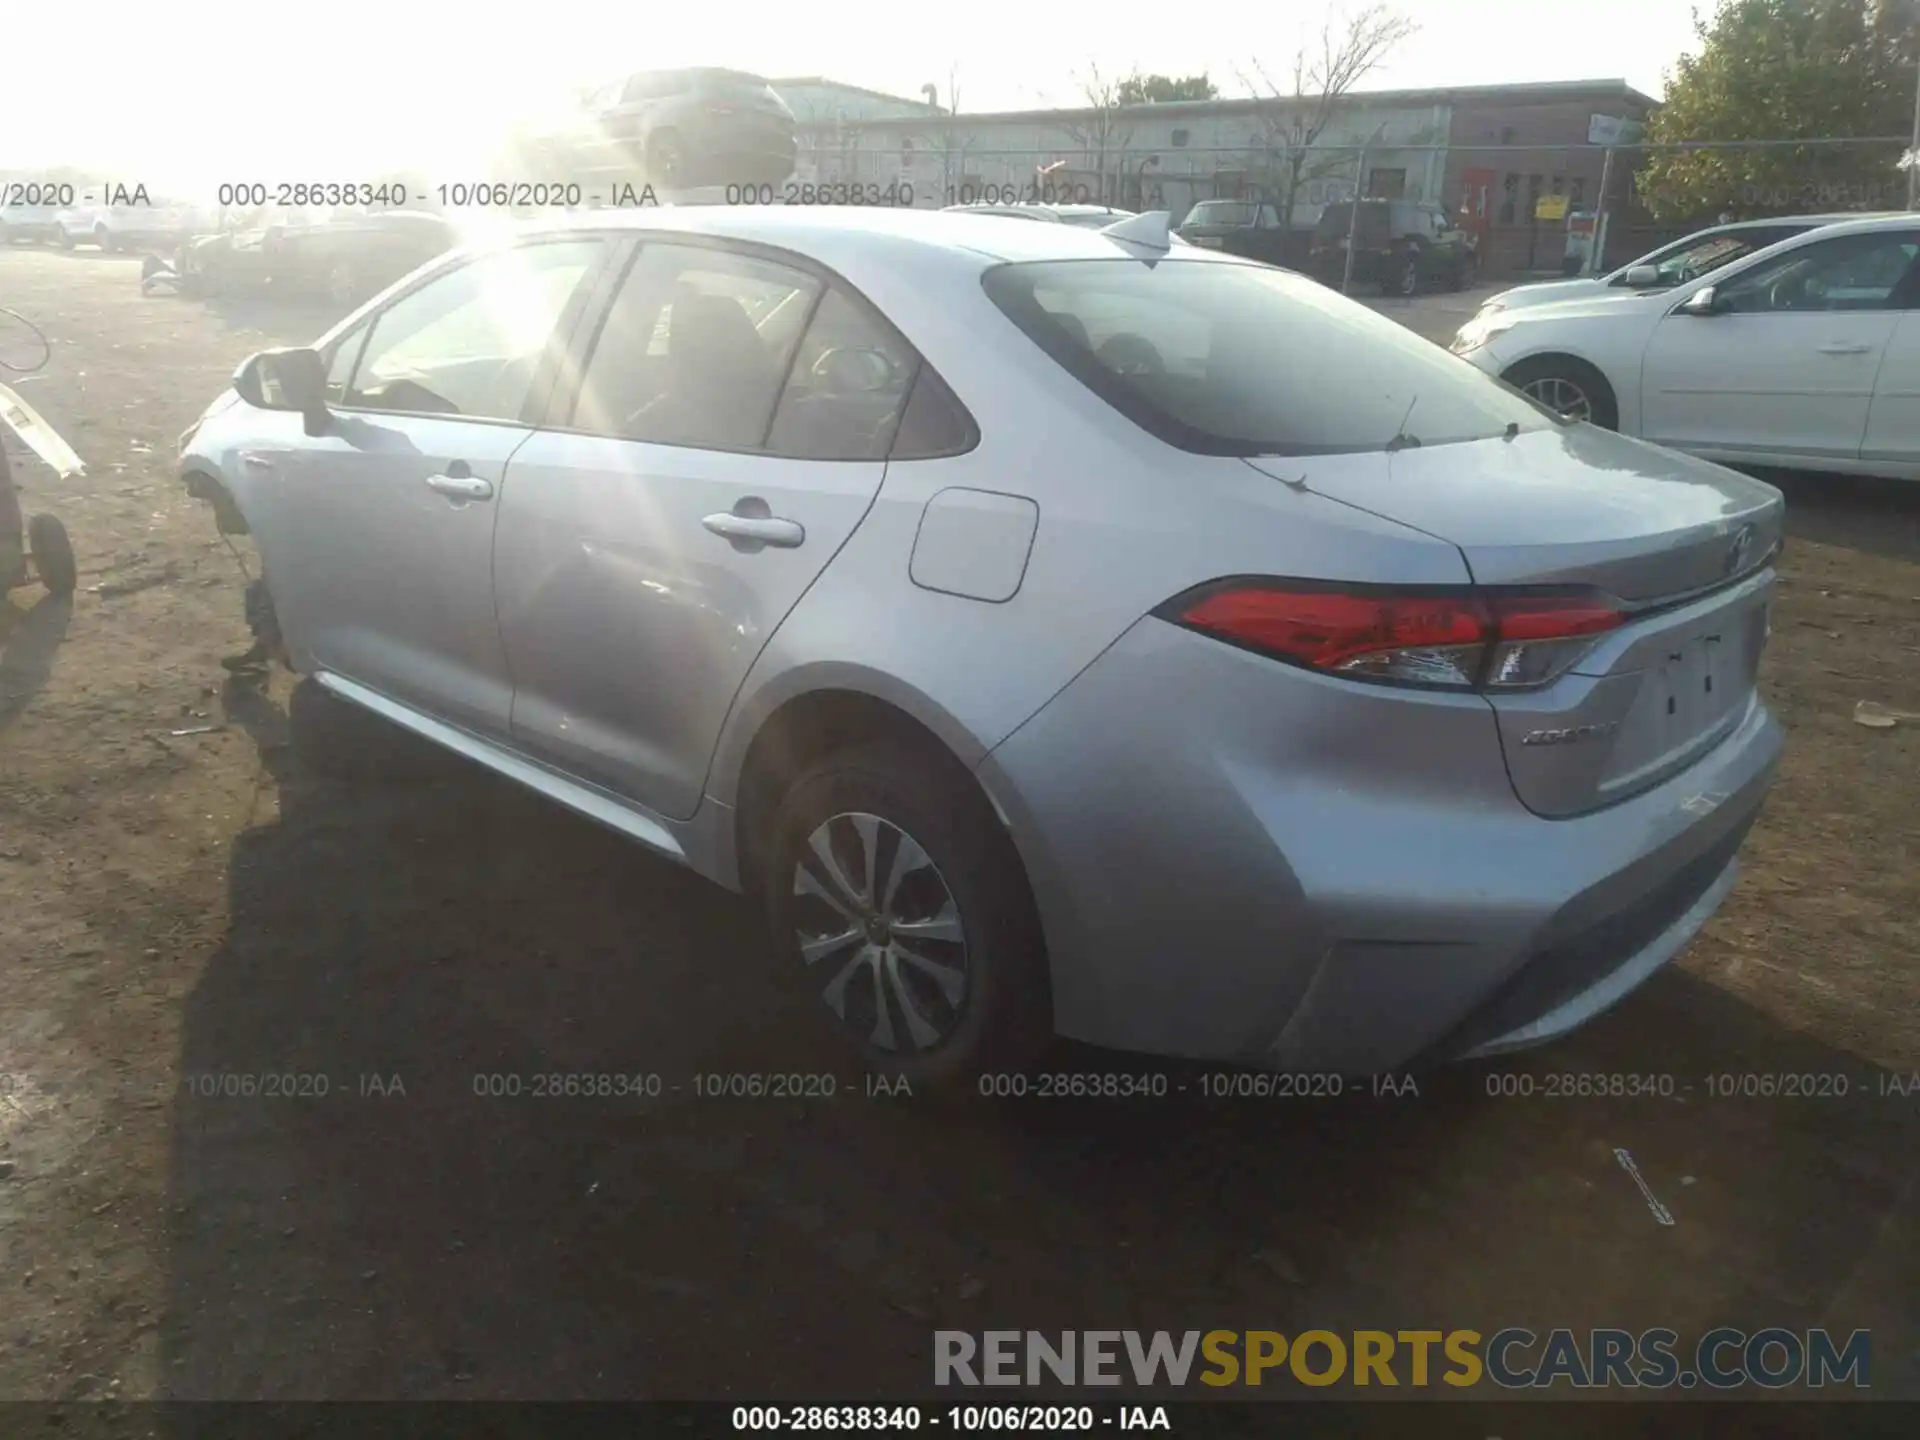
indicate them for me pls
(1054, 631)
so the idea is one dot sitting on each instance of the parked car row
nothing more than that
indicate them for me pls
(1399, 246)
(343, 258)
(108, 227)
(1042, 636)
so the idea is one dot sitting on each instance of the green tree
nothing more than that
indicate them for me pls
(1160, 89)
(1787, 69)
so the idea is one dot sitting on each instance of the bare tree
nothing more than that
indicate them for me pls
(953, 149)
(1102, 129)
(1349, 49)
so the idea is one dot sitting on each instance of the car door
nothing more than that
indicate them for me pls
(728, 434)
(1893, 421)
(378, 534)
(1787, 362)
(1269, 236)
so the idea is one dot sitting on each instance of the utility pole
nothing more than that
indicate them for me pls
(1912, 157)
(1353, 219)
(1597, 245)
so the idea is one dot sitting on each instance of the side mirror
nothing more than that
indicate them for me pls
(1643, 277)
(1701, 302)
(293, 379)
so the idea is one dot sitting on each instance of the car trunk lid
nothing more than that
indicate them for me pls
(1685, 547)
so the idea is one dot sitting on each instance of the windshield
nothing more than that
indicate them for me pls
(1250, 360)
(1221, 212)
(1701, 254)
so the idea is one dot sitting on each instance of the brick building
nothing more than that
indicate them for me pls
(1497, 187)
(1440, 145)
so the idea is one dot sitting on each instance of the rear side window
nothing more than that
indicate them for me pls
(1230, 359)
(935, 423)
(846, 387)
(695, 348)
(652, 85)
(723, 350)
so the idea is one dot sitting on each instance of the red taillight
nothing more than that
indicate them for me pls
(1477, 639)
(1552, 617)
(1323, 628)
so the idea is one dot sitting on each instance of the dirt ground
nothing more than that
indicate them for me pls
(179, 906)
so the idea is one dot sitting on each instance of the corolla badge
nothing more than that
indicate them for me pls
(1571, 735)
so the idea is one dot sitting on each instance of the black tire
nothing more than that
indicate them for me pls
(342, 741)
(52, 554)
(1406, 278)
(1005, 1020)
(1463, 276)
(1544, 370)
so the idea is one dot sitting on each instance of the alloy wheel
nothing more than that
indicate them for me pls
(1560, 395)
(878, 926)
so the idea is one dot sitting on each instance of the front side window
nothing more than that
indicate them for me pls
(1223, 359)
(342, 356)
(469, 341)
(1849, 272)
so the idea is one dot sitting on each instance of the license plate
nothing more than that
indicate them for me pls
(1703, 679)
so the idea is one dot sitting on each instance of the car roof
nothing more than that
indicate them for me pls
(1869, 224)
(862, 235)
(1809, 221)
(1018, 212)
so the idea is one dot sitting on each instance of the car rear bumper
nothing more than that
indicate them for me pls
(1237, 860)
(1370, 267)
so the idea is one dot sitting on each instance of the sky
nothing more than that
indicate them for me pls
(206, 91)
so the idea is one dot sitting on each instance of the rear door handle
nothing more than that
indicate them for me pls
(756, 530)
(1839, 347)
(461, 487)
(253, 460)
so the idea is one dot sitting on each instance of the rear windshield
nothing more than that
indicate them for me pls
(734, 84)
(1336, 221)
(1221, 212)
(1227, 359)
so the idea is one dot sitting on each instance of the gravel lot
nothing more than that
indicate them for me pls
(183, 906)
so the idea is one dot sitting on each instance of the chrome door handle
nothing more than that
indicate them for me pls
(255, 461)
(763, 529)
(461, 487)
(1838, 348)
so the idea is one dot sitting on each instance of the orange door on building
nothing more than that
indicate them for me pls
(1476, 204)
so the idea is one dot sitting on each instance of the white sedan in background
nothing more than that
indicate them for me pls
(1805, 354)
(1689, 258)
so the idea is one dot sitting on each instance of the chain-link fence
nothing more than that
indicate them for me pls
(1572, 208)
